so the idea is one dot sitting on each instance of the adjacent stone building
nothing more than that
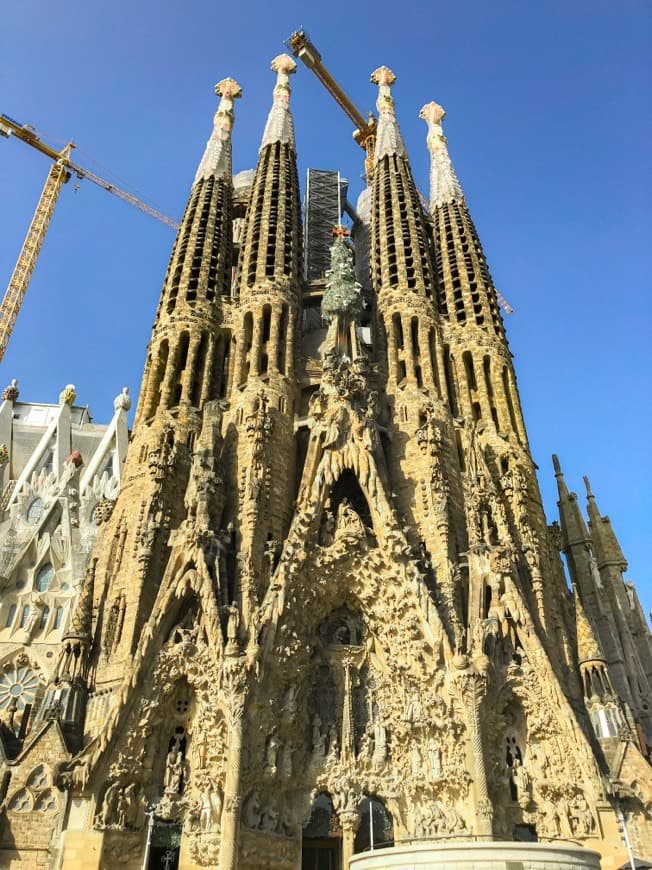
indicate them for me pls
(318, 604)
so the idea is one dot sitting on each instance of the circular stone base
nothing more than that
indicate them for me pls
(478, 856)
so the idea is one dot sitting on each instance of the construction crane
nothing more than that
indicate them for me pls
(60, 172)
(365, 132)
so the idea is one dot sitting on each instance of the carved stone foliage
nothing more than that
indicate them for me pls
(172, 753)
(366, 708)
(541, 774)
(258, 428)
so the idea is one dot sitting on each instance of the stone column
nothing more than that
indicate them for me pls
(211, 376)
(409, 351)
(254, 356)
(188, 376)
(350, 823)
(235, 687)
(472, 685)
(273, 343)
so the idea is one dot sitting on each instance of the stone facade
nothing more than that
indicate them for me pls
(325, 604)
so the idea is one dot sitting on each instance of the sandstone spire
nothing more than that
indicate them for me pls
(388, 134)
(444, 186)
(280, 126)
(217, 157)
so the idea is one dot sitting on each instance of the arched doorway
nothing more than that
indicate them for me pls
(321, 843)
(376, 828)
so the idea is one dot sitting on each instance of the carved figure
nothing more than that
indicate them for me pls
(108, 813)
(349, 523)
(581, 817)
(271, 756)
(251, 811)
(173, 771)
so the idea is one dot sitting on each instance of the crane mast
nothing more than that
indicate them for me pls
(59, 173)
(19, 281)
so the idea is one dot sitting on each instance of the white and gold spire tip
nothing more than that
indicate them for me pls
(444, 185)
(388, 134)
(217, 159)
(279, 126)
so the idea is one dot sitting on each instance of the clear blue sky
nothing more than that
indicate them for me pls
(548, 124)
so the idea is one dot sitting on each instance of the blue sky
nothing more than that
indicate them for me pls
(548, 124)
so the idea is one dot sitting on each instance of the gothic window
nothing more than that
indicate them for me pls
(35, 511)
(24, 617)
(282, 333)
(58, 618)
(38, 778)
(11, 615)
(157, 379)
(21, 802)
(198, 375)
(44, 577)
(45, 614)
(46, 802)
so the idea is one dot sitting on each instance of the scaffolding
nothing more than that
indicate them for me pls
(323, 210)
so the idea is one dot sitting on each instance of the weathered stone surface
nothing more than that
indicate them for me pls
(326, 598)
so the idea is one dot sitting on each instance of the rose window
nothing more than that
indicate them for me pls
(19, 684)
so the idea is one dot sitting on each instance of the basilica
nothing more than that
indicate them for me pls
(310, 608)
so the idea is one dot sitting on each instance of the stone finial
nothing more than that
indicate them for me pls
(123, 401)
(388, 135)
(384, 78)
(444, 184)
(283, 65)
(432, 113)
(228, 89)
(217, 160)
(10, 393)
(279, 126)
(68, 395)
(587, 485)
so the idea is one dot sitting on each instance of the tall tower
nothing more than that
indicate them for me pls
(327, 609)
(264, 388)
(410, 346)
(483, 400)
(185, 370)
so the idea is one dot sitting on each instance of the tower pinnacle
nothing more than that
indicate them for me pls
(388, 136)
(279, 126)
(444, 185)
(217, 156)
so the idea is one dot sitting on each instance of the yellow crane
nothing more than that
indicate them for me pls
(365, 132)
(59, 174)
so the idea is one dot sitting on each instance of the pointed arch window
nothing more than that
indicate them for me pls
(44, 577)
(35, 511)
(11, 615)
(58, 618)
